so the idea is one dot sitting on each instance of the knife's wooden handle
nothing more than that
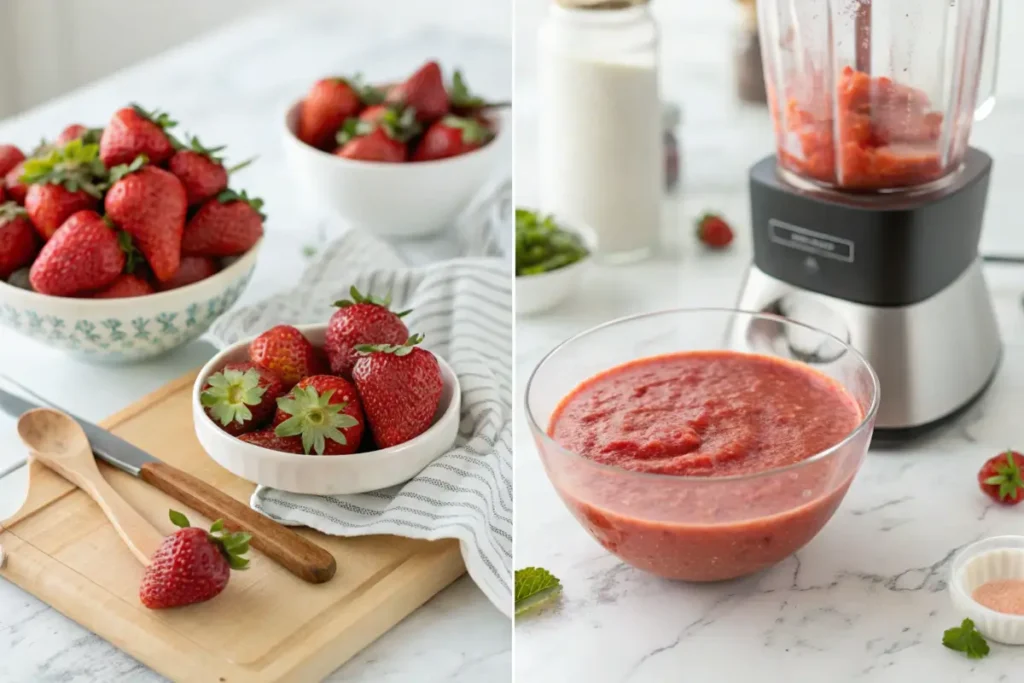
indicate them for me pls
(301, 557)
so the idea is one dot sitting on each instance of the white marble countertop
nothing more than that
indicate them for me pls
(866, 599)
(232, 87)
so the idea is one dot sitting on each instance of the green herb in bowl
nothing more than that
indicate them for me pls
(542, 245)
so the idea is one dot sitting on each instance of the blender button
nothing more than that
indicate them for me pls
(811, 264)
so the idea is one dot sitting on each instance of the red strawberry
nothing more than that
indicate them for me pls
(192, 270)
(452, 136)
(192, 565)
(265, 438)
(713, 231)
(285, 352)
(125, 286)
(424, 91)
(3, 195)
(16, 189)
(200, 171)
(228, 225)
(400, 386)
(323, 414)
(241, 398)
(132, 132)
(149, 204)
(10, 157)
(1000, 478)
(374, 114)
(19, 242)
(77, 131)
(83, 255)
(361, 320)
(49, 206)
(327, 105)
(374, 146)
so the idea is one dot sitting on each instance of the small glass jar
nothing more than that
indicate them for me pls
(600, 128)
(749, 70)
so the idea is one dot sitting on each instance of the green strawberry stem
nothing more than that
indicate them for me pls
(132, 257)
(228, 196)
(314, 418)
(122, 170)
(1007, 478)
(473, 132)
(394, 349)
(10, 210)
(230, 394)
(359, 298)
(240, 166)
(232, 545)
(76, 166)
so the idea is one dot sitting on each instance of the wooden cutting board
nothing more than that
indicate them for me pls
(267, 626)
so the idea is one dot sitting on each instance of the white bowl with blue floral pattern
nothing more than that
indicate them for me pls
(124, 330)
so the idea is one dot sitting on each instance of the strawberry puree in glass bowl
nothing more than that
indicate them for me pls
(702, 449)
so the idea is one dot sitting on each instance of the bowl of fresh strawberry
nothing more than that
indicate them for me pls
(123, 242)
(400, 160)
(351, 406)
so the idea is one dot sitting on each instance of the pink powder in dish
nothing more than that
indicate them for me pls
(1005, 595)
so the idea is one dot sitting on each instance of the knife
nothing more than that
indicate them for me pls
(298, 555)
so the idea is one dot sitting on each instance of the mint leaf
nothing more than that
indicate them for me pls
(963, 638)
(535, 587)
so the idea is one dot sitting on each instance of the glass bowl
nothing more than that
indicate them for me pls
(701, 528)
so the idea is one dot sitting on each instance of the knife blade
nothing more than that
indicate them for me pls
(295, 553)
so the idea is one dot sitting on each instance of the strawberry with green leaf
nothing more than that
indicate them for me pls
(329, 103)
(452, 136)
(192, 565)
(134, 132)
(84, 255)
(323, 413)
(200, 170)
(65, 181)
(1000, 478)
(424, 92)
(241, 398)
(359, 320)
(230, 224)
(285, 351)
(19, 242)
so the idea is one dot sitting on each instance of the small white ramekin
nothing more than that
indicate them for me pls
(539, 293)
(990, 559)
(325, 475)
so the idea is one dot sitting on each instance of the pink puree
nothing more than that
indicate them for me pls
(1006, 596)
(707, 414)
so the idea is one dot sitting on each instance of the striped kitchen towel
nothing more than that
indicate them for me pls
(464, 309)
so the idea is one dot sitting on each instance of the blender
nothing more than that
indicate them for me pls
(866, 220)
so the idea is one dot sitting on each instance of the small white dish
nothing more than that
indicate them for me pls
(991, 559)
(407, 200)
(325, 475)
(544, 291)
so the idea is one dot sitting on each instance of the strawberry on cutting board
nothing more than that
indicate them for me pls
(192, 565)
(132, 132)
(241, 398)
(228, 225)
(200, 170)
(284, 351)
(84, 255)
(400, 386)
(327, 105)
(149, 204)
(19, 242)
(361, 320)
(450, 137)
(323, 415)
(424, 91)
(1000, 478)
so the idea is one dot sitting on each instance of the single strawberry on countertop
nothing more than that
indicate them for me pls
(323, 413)
(125, 286)
(424, 91)
(149, 204)
(241, 398)
(132, 132)
(192, 565)
(65, 181)
(400, 386)
(200, 170)
(84, 255)
(361, 320)
(192, 269)
(227, 225)
(10, 156)
(284, 351)
(1000, 478)
(19, 242)
(713, 231)
(452, 136)
(327, 105)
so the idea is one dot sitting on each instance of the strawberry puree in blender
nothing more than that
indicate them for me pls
(882, 134)
(706, 415)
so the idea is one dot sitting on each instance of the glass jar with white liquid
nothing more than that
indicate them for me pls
(601, 154)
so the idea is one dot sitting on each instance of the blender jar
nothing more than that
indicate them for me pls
(877, 96)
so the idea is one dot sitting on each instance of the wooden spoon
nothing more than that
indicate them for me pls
(58, 442)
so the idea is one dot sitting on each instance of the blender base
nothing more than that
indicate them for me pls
(933, 358)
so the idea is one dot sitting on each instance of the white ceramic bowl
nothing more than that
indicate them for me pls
(990, 559)
(390, 200)
(120, 330)
(326, 475)
(542, 292)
